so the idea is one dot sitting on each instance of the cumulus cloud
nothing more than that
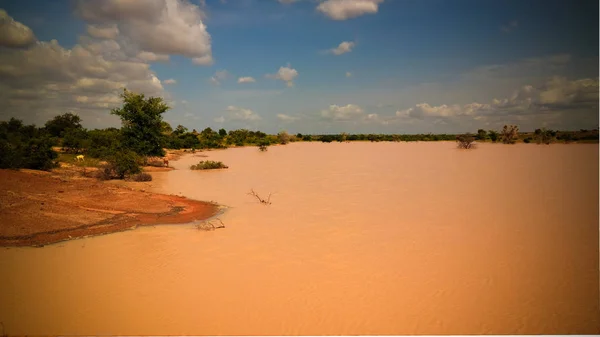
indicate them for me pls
(147, 56)
(342, 48)
(170, 81)
(14, 34)
(220, 119)
(219, 77)
(347, 9)
(286, 74)
(510, 26)
(347, 112)
(557, 94)
(109, 31)
(237, 113)
(164, 27)
(287, 118)
(246, 80)
(46, 79)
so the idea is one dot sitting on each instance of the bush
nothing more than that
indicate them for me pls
(25, 146)
(527, 140)
(122, 163)
(208, 165)
(509, 134)
(465, 141)
(141, 177)
(493, 135)
(155, 162)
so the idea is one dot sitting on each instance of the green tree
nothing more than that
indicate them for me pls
(142, 123)
(58, 125)
(283, 137)
(493, 135)
(180, 130)
(166, 128)
(509, 134)
(481, 134)
(222, 133)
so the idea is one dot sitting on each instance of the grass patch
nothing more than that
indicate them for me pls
(208, 165)
(70, 159)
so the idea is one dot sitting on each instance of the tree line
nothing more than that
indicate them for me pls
(144, 134)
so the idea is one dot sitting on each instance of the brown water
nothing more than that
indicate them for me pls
(361, 238)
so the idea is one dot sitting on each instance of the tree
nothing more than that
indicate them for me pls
(57, 126)
(465, 141)
(509, 134)
(543, 136)
(222, 133)
(180, 130)
(493, 135)
(481, 134)
(142, 123)
(166, 128)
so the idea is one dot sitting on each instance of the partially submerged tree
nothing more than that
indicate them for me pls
(465, 141)
(509, 134)
(142, 123)
(493, 135)
(481, 134)
(283, 137)
(544, 136)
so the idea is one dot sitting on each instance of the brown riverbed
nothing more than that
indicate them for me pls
(360, 239)
(40, 208)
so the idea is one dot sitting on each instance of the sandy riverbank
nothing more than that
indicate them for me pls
(39, 208)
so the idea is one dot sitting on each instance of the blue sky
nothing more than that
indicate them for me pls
(408, 66)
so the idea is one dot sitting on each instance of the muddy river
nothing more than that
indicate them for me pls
(360, 238)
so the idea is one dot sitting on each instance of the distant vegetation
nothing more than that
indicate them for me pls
(144, 136)
(208, 165)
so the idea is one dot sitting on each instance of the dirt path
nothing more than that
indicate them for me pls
(39, 208)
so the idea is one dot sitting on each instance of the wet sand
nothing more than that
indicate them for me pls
(360, 239)
(40, 208)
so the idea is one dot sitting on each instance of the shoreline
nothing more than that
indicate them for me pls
(40, 208)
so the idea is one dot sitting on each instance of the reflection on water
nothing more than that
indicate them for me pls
(361, 238)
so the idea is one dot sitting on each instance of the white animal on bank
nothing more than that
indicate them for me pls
(79, 157)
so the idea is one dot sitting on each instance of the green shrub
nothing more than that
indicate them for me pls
(122, 163)
(208, 165)
(527, 140)
(465, 141)
(25, 146)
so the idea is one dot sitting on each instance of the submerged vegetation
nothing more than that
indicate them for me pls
(208, 165)
(144, 136)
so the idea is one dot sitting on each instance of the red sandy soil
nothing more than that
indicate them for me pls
(39, 208)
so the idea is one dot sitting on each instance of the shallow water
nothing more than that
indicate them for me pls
(360, 238)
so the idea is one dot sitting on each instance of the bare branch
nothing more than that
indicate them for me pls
(261, 200)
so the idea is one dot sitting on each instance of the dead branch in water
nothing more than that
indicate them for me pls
(209, 225)
(262, 201)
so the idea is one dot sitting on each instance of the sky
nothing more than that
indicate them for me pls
(306, 66)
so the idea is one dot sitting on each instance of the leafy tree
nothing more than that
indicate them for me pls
(465, 141)
(166, 128)
(283, 137)
(481, 134)
(75, 140)
(180, 130)
(25, 146)
(222, 133)
(61, 123)
(493, 135)
(142, 123)
(509, 134)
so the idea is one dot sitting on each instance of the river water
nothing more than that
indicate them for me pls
(360, 238)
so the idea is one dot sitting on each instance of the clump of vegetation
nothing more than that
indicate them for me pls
(141, 177)
(262, 148)
(25, 146)
(493, 136)
(509, 134)
(543, 136)
(527, 140)
(481, 135)
(283, 137)
(121, 164)
(156, 162)
(208, 165)
(465, 141)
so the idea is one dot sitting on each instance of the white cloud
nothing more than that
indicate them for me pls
(147, 56)
(220, 119)
(14, 34)
(109, 31)
(165, 27)
(557, 94)
(347, 9)
(286, 74)
(219, 77)
(246, 79)
(287, 118)
(342, 48)
(170, 81)
(348, 74)
(237, 113)
(46, 79)
(346, 112)
(510, 26)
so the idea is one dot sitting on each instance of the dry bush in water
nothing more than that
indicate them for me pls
(262, 201)
(208, 165)
(156, 162)
(465, 141)
(509, 134)
(209, 225)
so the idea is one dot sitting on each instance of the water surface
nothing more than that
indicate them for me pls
(360, 238)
